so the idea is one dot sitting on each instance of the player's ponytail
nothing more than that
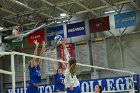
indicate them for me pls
(73, 66)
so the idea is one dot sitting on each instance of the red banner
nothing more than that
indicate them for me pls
(61, 52)
(100, 24)
(37, 35)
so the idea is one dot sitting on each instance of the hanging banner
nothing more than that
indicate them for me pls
(61, 52)
(82, 55)
(70, 50)
(37, 35)
(99, 53)
(125, 19)
(76, 29)
(116, 85)
(53, 31)
(14, 44)
(100, 24)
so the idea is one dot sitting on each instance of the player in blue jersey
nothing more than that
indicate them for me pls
(59, 86)
(34, 70)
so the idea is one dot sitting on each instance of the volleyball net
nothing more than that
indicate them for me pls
(111, 80)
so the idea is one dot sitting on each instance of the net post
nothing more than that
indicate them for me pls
(24, 73)
(133, 86)
(13, 73)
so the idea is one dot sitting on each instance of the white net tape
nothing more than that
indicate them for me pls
(5, 72)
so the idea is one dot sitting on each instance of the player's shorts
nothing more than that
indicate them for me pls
(32, 89)
(75, 90)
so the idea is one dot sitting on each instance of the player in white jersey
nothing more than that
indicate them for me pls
(71, 82)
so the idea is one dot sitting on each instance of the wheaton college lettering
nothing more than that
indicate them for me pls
(108, 84)
(76, 29)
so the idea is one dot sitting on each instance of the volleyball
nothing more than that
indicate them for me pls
(58, 39)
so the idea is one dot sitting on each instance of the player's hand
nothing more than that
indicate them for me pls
(36, 85)
(64, 41)
(43, 44)
(36, 43)
(71, 86)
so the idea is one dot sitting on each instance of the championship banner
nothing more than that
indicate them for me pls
(99, 53)
(82, 56)
(37, 35)
(76, 29)
(100, 24)
(70, 50)
(87, 86)
(53, 31)
(125, 19)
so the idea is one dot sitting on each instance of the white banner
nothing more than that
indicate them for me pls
(82, 56)
(117, 84)
(99, 53)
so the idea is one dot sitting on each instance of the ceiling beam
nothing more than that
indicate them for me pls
(47, 2)
(61, 4)
(134, 4)
(12, 22)
(10, 28)
(101, 7)
(40, 9)
(13, 14)
(93, 9)
(25, 13)
(30, 8)
(6, 19)
(85, 7)
(67, 2)
(109, 5)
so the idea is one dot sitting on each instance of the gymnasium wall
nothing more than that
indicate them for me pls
(130, 51)
(1, 79)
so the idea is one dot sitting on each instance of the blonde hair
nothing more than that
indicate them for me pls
(73, 66)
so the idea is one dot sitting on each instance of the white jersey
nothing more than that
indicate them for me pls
(69, 79)
(67, 55)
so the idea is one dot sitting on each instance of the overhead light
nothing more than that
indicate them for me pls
(19, 3)
(1, 28)
(111, 11)
(63, 14)
(58, 22)
(65, 20)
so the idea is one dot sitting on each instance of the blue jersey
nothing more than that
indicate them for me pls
(59, 82)
(75, 90)
(35, 75)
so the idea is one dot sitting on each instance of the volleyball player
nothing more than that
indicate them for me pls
(72, 84)
(34, 70)
(59, 86)
(98, 89)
